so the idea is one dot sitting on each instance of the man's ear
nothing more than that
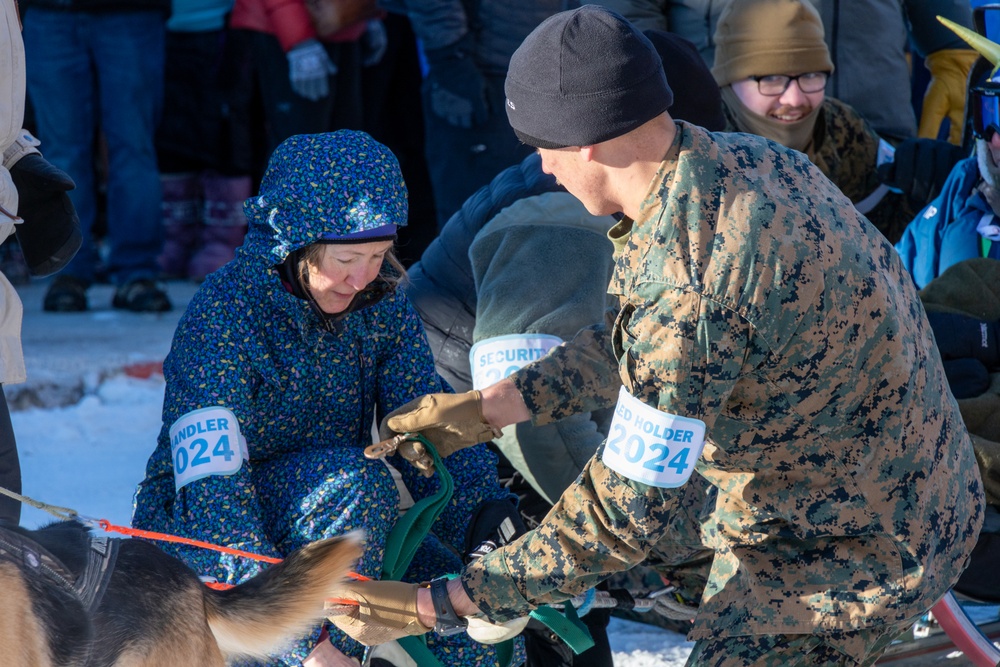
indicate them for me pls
(587, 153)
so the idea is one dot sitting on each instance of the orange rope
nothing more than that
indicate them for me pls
(109, 527)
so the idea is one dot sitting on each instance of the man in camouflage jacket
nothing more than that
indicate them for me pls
(757, 303)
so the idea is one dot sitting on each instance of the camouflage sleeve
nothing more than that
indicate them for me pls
(604, 523)
(852, 166)
(683, 353)
(577, 376)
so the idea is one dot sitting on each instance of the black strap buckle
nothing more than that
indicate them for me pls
(447, 622)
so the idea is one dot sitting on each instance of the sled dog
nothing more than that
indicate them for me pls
(70, 599)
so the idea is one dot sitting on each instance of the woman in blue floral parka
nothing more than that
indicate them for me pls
(278, 369)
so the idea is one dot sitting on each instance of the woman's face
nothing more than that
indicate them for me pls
(789, 107)
(343, 270)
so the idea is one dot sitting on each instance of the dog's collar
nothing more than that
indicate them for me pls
(26, 553)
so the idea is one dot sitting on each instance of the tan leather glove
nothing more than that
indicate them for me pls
(449, 421)
(945, 96)
(386, 610)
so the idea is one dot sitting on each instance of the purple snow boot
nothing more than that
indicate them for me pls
(181, 213)
(225, 225)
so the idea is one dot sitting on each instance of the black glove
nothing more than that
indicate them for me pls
(920, 167)
(456, 86)
(494, 524)
(962, 337)
(50, 234)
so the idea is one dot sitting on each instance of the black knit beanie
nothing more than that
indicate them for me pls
(582, 77)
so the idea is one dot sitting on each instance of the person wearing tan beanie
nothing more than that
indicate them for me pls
(772, 64)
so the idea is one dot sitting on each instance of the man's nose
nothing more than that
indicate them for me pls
(793, 95)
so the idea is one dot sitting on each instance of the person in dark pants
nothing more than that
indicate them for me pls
(97, 66)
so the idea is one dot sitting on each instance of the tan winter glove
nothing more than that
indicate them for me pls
(945, 96)
(449, 421)
(386, 610)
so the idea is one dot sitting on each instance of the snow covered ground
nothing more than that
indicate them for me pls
(86, 447)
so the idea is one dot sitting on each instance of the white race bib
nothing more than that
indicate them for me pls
(206, 442)
(494, 359)
(650, 446)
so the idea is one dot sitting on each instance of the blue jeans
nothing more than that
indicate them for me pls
(102, 71)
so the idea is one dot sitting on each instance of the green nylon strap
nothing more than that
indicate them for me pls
(567, 625)
(416, 648)
(402, 544)
(406, 536)
(411, 528)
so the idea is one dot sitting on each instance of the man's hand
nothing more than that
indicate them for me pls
(449, 421)
(945, 96)
(386, 610)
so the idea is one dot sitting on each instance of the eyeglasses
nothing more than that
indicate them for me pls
(984, 103)
(773, 85)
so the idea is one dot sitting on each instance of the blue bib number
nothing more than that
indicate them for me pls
(493, 359)
(650, 446)
(206, 442)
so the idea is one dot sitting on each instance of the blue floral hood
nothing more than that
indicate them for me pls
(322, 185)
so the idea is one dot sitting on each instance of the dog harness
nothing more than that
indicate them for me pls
(89, 586)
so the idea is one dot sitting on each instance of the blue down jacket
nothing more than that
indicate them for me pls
(944, 233)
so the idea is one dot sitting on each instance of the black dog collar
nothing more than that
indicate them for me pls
(447, 622)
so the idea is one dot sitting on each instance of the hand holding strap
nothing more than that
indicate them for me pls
(384, 611)
(449, 421)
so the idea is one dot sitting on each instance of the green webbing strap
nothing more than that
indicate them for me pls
(411, 528)
(417, 649)
(567, 625)
(406, 536)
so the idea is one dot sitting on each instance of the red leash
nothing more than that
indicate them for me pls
(109, 527)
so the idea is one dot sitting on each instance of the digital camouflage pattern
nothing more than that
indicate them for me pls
(845, 148)
(756, 299)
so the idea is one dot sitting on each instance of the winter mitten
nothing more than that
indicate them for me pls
(456, 86)
(50, 234)
(962, 337)
(919, 168)
(945, 96)
(494, 524)
(310, 69)
(967, 378)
